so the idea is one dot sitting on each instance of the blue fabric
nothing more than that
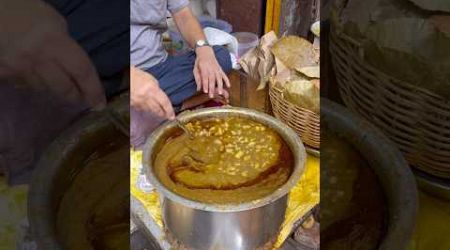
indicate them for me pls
(102, 28)
(176, 74)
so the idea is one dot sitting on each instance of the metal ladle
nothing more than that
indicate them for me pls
(181, 125)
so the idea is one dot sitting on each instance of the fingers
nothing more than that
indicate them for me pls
(197, 77)
(205, 81)
(79, 68)
(212, 84)
(165, 105)
(31, 77)
(219, 80)
(147, 96)
(226, 95)
(225, 78)
(154, 107)
(209, 78)
(55, 79)
(155, 102)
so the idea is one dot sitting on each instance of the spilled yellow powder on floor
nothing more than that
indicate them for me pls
(13, 210)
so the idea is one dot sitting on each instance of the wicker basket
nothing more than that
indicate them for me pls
(417, 120)
(305, 122)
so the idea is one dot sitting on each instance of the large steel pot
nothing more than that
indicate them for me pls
(388, 163)
(61, 163)
(250, 225)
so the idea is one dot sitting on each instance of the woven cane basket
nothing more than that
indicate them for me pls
(417, 120)
(304, 122)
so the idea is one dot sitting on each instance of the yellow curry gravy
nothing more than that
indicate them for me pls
(354, 208)
(229, 160)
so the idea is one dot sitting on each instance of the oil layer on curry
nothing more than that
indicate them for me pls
(229, 160)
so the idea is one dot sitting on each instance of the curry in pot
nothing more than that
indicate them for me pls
(353, 207)
(228, 160)
(94, 211)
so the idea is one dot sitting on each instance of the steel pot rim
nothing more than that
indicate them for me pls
(41, 201)
(290, 137)
(388, 163)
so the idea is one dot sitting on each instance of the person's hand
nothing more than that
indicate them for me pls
(36, 49)
(208, 74)
(145, 94)
(27, 129)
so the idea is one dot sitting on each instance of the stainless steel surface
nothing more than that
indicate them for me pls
(388, 163)
(60, 163)
(312, 151)
(435, 186)
(231, 226)
(248, 229)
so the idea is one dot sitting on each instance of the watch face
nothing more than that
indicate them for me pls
(201, 43)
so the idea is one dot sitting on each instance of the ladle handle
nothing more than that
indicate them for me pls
(181, 125)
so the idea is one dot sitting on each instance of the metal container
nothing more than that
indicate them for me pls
(438, 187)
(61, 163)
(250, 225)
(389, 165)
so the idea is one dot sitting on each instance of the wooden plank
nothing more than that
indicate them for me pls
(235, 90)
(243, 93)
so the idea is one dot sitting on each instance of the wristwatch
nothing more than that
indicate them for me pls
(201, 43)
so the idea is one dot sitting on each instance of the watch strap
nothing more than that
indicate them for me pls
(201, 43)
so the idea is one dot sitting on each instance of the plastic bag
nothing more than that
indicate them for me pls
(219, 37)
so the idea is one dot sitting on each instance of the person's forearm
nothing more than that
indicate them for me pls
(208, 74)
(189, 26)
